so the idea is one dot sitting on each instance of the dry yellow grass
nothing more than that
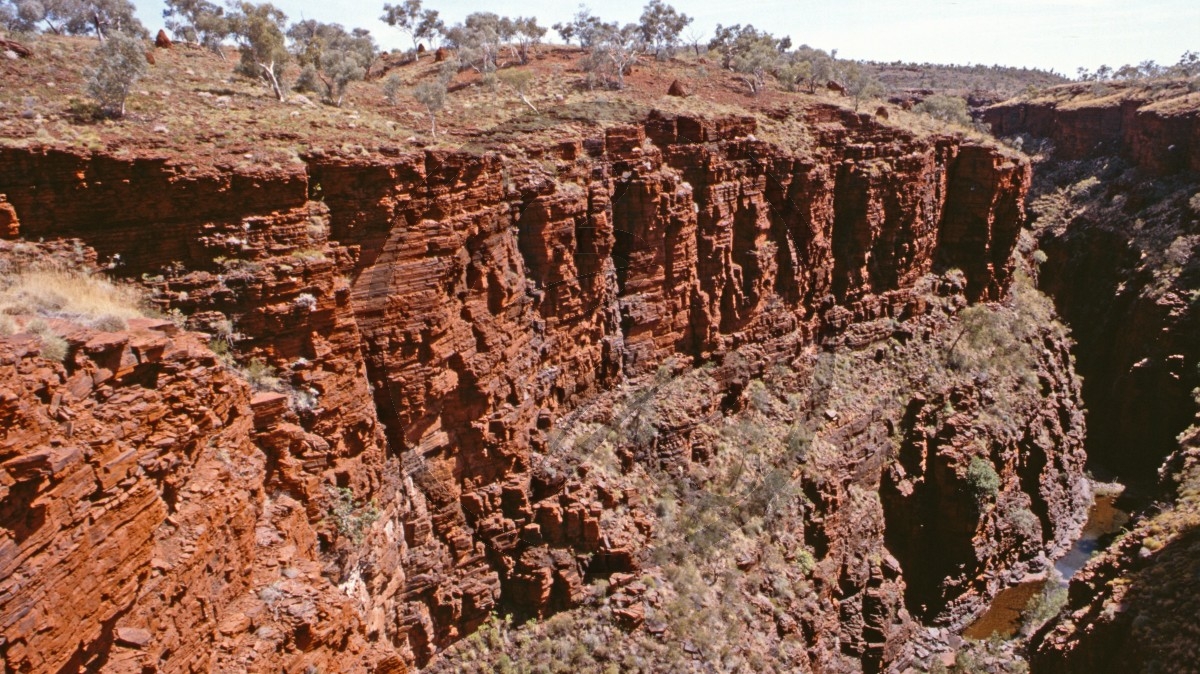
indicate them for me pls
(68, 295)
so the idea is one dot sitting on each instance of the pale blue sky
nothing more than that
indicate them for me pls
(1059, 34)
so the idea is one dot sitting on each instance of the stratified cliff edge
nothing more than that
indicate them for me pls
(1116, 206)
(417, 326)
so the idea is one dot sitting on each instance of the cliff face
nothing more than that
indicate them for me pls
(140, 524)
(1160, 136)
(1119, 259)
(429, 318)
(1112, 214)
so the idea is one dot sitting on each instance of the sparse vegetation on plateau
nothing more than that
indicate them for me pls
(119, 63)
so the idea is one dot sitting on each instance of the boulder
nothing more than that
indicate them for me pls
(10, 226)
(16, 48)
(162, 40)
(678, 89)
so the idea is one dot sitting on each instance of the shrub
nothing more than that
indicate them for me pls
(432, 95)
(351, 518)
(1022, 522)
(305, 301)
(799, 440)
(120, 62)
(54, 347)
(983, 479)
(392, 87)
(262, 376)
(945, 108)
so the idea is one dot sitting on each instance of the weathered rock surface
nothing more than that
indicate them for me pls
(137, 527)
(429, 317)
(1161, 137)
(1114, 221)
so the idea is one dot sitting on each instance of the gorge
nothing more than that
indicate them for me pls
(775, 389)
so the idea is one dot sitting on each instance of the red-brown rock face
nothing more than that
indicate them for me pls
(136, 526)
(1121, 266)
(431, 316)
(1160, 141)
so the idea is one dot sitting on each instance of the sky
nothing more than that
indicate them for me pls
(1059, 35)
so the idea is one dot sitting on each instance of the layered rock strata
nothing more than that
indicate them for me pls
(418, 322)
(1114, 219)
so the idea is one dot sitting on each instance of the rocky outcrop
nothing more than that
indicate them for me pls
(428, 317)
(1114, 221)
(1118, 119)
(136, 522)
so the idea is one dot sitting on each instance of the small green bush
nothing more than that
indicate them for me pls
(983, 479)
(120, 62)
(351, 518)
(945, 108)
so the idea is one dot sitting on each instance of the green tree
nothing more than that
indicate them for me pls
(584, 27)
(754, 63)
(945, 108)
(420, 24)
(479, 39)
(794, 74)
(432, 95)
(199, 22)
(519, 81)
(62, 17)
(860, 83)
(1189, 64)
(526, 35)
(119, 62)
(330, 57)
(80, 17)
(661, 26)
(730, 41)
(613, 50)
(815, 65)
(258, 29)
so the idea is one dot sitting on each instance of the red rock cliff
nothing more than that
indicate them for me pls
(1160, 136)
(430, 316)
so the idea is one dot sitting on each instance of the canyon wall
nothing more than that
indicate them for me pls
(1119, 257)
(418, 323)
(1114, 219)
(1157, 135)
